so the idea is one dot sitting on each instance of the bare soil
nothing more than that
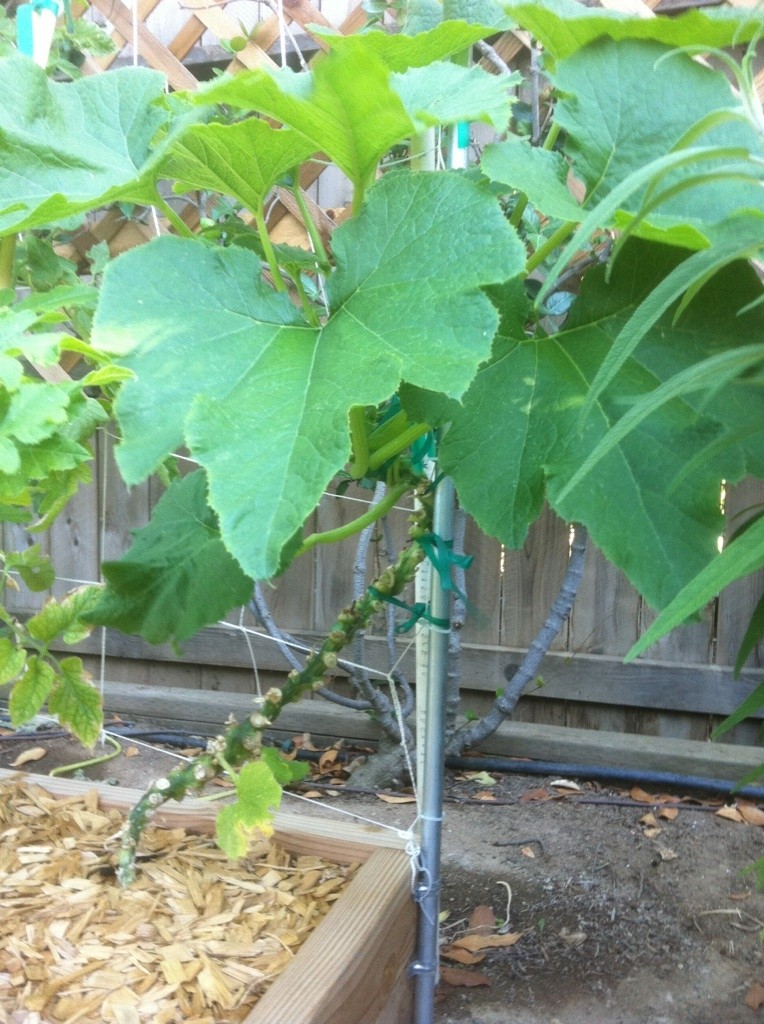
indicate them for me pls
(619, 926)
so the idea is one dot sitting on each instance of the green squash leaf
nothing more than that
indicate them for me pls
(63, 618)
(270, 424)
(177, 575)
(31, 691)
(243, 160)
(520, 433)
(542, 175)
(399, 52)
(76, 702)
(654, 107)
(34, 568)
(565, 26)
(446, 93)
(12, 660)
(70, 147)
(350, 106)
(284, 770)
(259, 795)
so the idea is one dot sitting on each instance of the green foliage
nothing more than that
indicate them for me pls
(626, 417)
(564, 27)
(176, 577)
(658, 102)
(527, 402)
(369, 93)
(258, 794)
(177, 308)
(68, 148)
(76, 701)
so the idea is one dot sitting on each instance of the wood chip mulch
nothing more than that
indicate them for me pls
(196, 939)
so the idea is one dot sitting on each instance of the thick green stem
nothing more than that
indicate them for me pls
(310, 225)
(398, 444)
(350, 529)
(243, 740)
(307, 306)
(174, 218)
(359, 439)
(7, 250)
(265, 240)
(554, 241)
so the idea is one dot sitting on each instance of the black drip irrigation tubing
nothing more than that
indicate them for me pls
(510, 766)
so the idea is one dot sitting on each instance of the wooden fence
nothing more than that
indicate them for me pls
(682, 690)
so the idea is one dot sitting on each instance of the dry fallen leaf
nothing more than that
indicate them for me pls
(641, 796)
(526, 851)
(462, 956)
(485, 795)
(131, 752)
(754, 997)
(482, 920)
(474, 943)
(572, 938)
(752, 814)
(651, 833)
(536, 794)
(648, 819)
(463, 979)
(669, 813)
(730, 813)
(312, 794)
(482, 777)
(390, 799)
(32, 754)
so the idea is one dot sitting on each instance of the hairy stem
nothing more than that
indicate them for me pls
(553, 242)
(7, 250)
(398, 444)
(265, 240)
(359, 440)
(473, 733)
(243, 740)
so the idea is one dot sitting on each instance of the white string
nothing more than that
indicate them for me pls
(401, 726)
(401, 833)
(251, 650)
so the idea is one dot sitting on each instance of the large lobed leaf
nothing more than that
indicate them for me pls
(177, 575)
(243, 160)
(70, 147)
(262, 398)
(651, 504)
(371, 92)
(657, 102)
(565, 26)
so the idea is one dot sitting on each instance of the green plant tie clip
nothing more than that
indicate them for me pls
(423, 448)
(442, 555)
(417, 612)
